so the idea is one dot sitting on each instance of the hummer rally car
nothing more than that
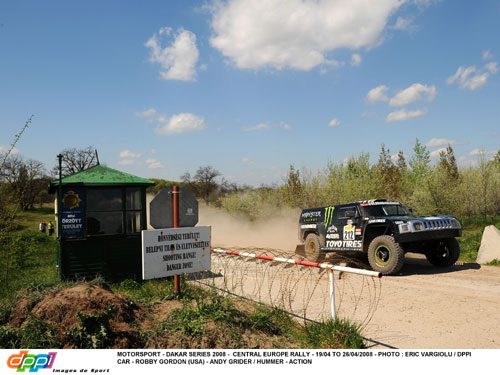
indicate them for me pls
(385, 231)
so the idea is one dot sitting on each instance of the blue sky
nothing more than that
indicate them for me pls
(248, 87)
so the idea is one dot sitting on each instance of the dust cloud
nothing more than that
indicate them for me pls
(276, 232)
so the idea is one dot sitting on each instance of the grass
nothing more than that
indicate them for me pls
(472, 233)
(29, 220)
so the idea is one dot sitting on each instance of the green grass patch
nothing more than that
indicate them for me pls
(29, 220)
(335, 334)
(494, 262)
(27, 258)
(472, 234)
(469, 246)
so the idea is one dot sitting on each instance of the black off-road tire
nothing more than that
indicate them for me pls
(312, 248)
(385, 255)
(445, 253)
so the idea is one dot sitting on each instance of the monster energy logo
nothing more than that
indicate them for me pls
(329, 215)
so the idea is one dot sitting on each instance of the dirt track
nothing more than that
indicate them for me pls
(429, 307)
(422, 307)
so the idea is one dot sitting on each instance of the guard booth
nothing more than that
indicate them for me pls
(100, 214)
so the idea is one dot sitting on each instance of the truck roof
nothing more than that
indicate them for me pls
(373, 202)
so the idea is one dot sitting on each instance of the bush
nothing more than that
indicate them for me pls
(36, 333)
(22, 248)
(93, 332)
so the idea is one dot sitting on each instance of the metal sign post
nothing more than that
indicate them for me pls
(175, 213)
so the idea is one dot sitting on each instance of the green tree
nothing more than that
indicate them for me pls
(389, 175)
(293, 189)
(485, 174)
(419, 162)
(448, 164)
(496, 158)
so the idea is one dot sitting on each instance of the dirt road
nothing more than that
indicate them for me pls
(428, 307)
(422, 307)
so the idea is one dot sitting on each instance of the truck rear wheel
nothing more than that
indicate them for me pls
(385, 255)
(312, 248)
(445, 253)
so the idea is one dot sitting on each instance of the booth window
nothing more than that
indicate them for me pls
(133, 209)
(104, 211)
(114, 211)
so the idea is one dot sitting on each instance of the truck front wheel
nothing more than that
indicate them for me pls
(385, 255)
(312, 248)
(445, 253)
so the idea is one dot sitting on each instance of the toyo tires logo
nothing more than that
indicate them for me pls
(32, 362)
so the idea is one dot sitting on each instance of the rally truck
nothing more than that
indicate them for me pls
(383, 230)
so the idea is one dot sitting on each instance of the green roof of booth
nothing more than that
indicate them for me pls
(100, 175)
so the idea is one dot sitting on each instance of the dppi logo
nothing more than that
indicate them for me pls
(23, 361)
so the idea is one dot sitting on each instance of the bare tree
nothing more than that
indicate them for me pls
(24, 178)
(203, 183)
(205, 178)
(76, 160)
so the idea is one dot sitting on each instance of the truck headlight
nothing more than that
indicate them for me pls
(418, 226)
(404, 228)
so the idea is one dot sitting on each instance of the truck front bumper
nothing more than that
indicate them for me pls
(427, 235)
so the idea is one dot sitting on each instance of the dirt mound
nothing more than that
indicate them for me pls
(60, 309)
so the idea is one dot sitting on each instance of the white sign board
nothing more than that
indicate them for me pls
(174, 251)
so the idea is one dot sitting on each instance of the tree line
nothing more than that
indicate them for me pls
(24, 182)
(442, 187)
(415, 181)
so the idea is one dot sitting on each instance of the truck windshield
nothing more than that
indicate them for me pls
(386, 210)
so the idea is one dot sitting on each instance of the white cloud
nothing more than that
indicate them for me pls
(154, 164)
(181, 123)
(404, 115)
(394, 157)
(129, 154)
(294, 33)
(492, 67)
(247, 161)
(178, 59)
(438, 142)
(477, 152)
(256, 127)
(126, 162)
(436, 153)
(4, 149)
(334, 122)
(147, 113)
(415, 92)
(472, 78)
(285, 126)
(405, 24)
(355, 59)
(487, 55)
(378, 94)
(412, 94)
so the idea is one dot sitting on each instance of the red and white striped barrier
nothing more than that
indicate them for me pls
(327, 266)
(300, 262)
